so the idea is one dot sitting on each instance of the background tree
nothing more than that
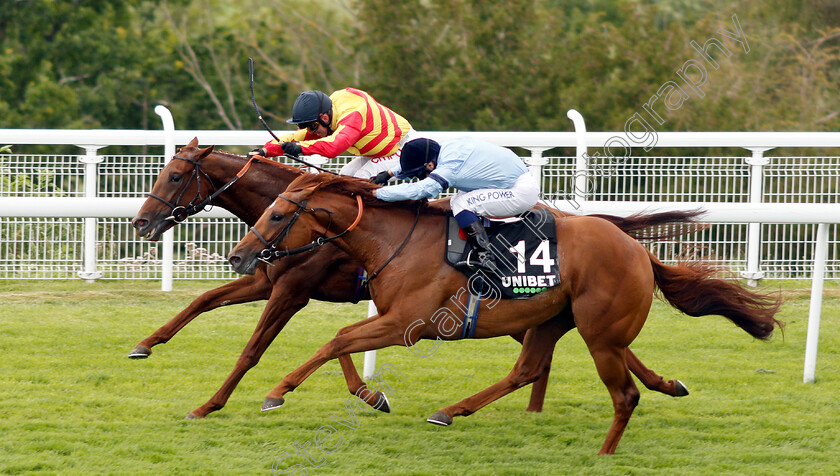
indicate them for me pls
(519, 65)
(443, 64)
(295, 46)
(81, 64)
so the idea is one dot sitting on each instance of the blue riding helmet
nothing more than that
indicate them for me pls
(309, 106)
(415, 155)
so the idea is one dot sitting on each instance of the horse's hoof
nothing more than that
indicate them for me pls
(440, 418)
(139, 352)
(680, 389)
(382, 403)
(271, 404)
(192, 416)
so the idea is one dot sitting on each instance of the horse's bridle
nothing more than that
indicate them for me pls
(271, 253)
(179, 213)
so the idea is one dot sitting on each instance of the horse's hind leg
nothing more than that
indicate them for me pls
(651, 379)
(244, 289)
(612, 368)
(608, 326)
(534, 360)
(538, 389)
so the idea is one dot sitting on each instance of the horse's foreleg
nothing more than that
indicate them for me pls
(279, 309)
(652, 380)
(355, 384)
(539, 387)
(369, 334)
(244, 289)
(534, 360)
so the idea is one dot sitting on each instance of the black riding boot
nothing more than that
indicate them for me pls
(483, 256)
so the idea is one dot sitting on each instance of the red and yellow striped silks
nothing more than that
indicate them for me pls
(361, 126)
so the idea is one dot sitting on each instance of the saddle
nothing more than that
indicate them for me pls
(525, 251)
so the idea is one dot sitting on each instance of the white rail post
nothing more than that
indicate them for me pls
(757, 163)
(815, 308)
(370, 356)
(369, 368)
(91, 159)
(168, 255)
(581, 161)
(536, 162)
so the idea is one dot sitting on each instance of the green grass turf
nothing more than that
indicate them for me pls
(71, 402)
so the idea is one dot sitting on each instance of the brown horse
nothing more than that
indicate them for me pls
(606, 288)
(326, 274)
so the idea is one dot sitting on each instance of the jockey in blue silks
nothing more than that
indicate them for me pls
(491, 181)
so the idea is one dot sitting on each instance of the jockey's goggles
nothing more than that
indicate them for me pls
(311, 126)
(419, 172)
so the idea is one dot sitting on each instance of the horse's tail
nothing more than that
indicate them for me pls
(690, 288)
(657, 226)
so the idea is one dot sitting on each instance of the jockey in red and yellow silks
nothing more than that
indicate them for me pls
(358, 124)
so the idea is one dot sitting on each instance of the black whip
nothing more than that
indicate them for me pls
(254, 99)
(259, 116)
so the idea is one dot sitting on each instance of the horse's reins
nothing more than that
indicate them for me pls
(179, 213)
(413, 225)
(270, 252)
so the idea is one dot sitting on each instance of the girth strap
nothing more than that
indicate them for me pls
(471, 314)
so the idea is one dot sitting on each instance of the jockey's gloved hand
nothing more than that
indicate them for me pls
(291, 148)
(258, 151)
(381, 178)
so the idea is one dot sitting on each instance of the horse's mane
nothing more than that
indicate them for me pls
(296, 171)
(352, 186)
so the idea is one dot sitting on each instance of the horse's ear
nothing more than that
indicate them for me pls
(204, 152)
(193, 143)
(308, 191)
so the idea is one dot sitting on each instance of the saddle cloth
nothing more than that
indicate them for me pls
(525, 253)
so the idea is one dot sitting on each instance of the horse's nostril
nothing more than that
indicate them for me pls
(234, 260)
(140, 223)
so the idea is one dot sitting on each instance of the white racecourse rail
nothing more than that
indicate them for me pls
(67, 215)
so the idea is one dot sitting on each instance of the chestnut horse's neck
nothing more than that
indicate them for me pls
(254, 190)
(381, 232)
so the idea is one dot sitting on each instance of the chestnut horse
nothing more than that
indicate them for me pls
(328, 274)
(607, 283)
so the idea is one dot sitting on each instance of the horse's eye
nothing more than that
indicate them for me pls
(276, 217)
(175, 178)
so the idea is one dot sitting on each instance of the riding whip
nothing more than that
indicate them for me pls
(259, 116)
(254, 99)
